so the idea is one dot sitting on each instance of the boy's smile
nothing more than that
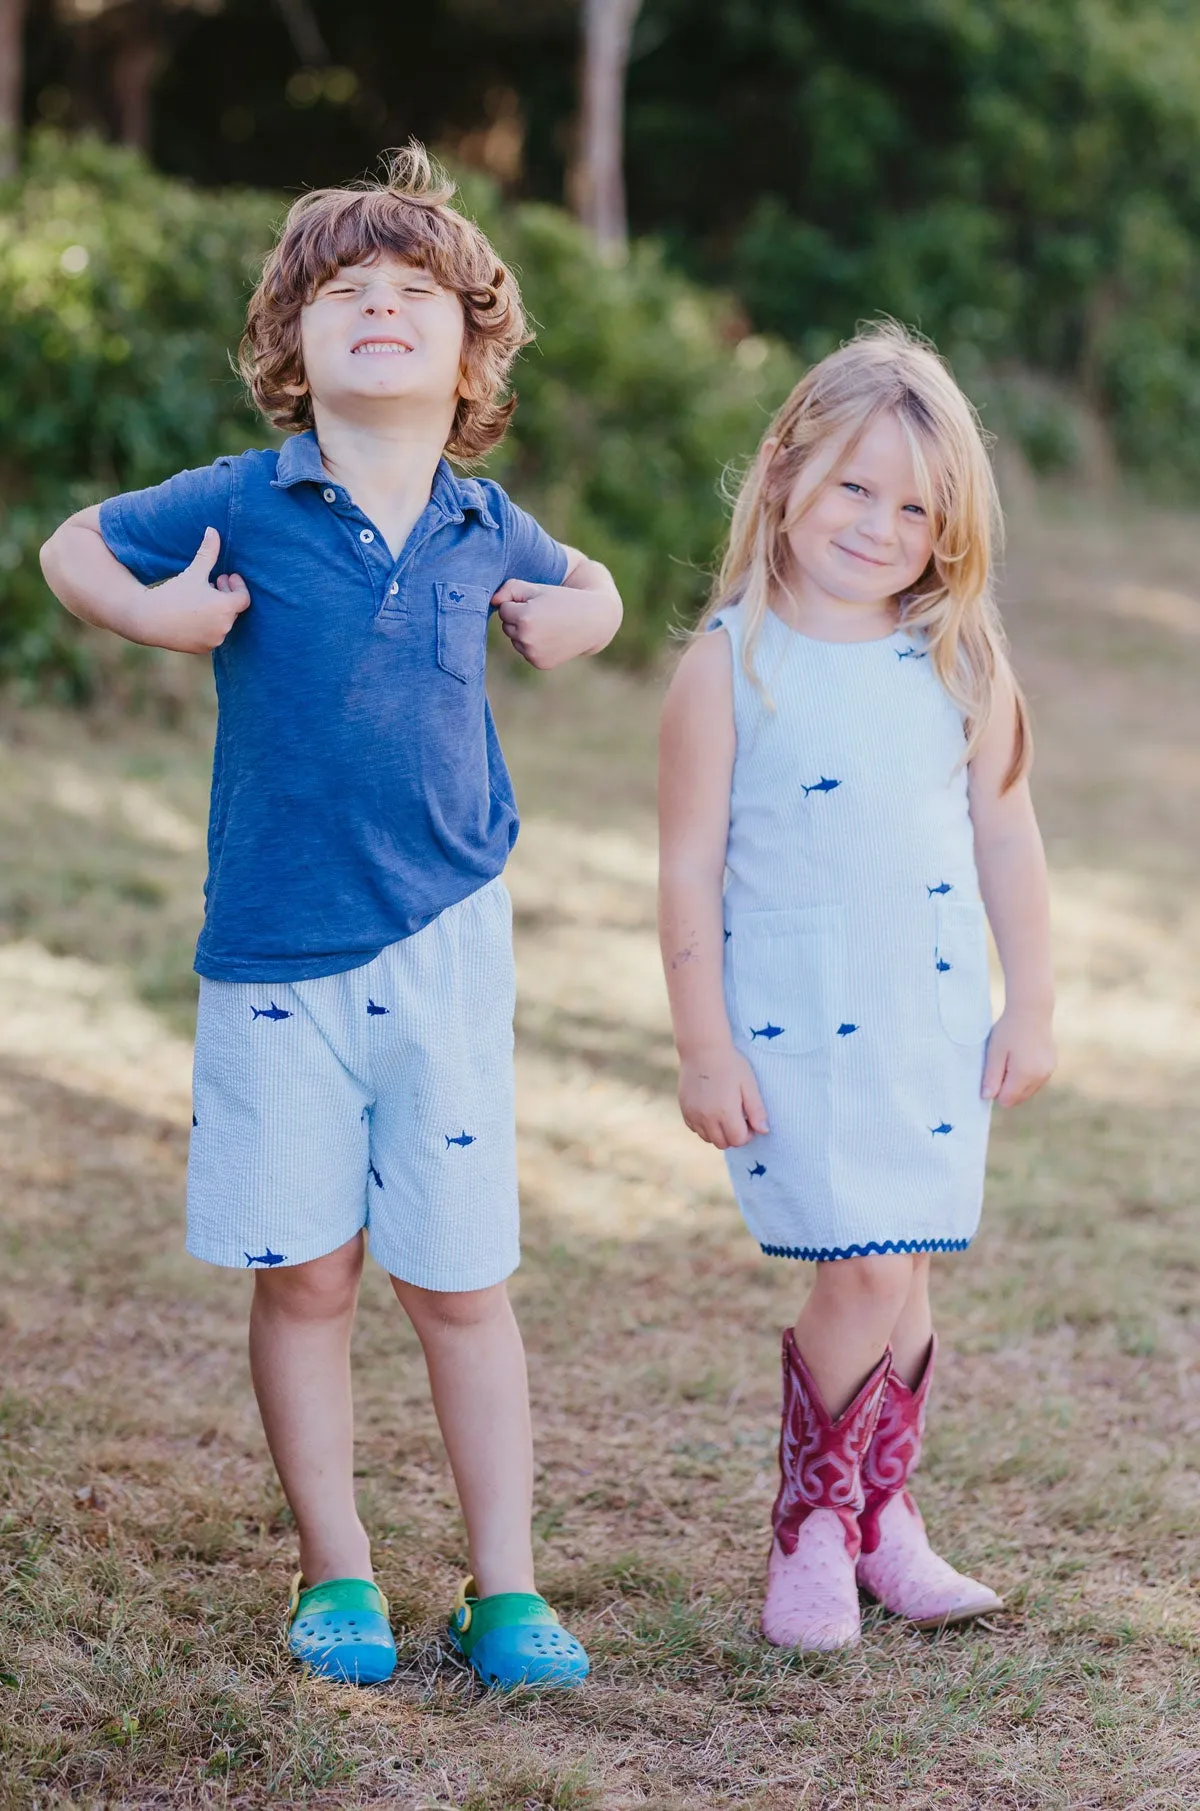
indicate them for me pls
(382, 333)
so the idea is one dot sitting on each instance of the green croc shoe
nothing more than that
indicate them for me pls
(340, 1629)
(515, 1638)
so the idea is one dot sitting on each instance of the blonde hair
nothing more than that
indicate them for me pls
(885, 369)
(406, 215)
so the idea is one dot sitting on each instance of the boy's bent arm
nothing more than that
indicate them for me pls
(187, 613)
(548, 628)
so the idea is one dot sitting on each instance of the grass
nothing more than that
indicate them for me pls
(144, 1541)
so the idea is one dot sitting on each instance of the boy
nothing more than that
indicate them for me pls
(353, 1064)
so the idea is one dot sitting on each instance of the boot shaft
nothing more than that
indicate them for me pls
(821, 1459)
(895, 1449)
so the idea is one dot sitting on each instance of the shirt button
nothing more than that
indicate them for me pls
(393, 588)
(330, 496)
(366, 535)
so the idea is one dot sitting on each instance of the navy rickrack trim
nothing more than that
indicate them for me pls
(811, 1254)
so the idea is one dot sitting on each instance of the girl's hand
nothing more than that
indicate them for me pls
(1020, 1057)
(720, 1101)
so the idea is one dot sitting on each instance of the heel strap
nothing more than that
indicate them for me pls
(335, 1594)
(474, 1617)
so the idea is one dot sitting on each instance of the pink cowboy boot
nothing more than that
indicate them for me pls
(897, 1565)
(812, 1597)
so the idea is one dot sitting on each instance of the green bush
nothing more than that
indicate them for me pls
(1019, 178)
(121, 297)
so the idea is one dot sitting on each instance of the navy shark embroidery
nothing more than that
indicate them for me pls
(943, 886)
(845, 1030)
(464, 1139)
(269, 1258)
(821, 785)
(910, 653)
(456, 597)
(269, 1012)
(943, 967)
(760, 1169)
(376, 1178)
(767, 1031)
(941, 1130)
(376, 1012)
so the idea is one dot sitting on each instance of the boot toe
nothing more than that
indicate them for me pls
(812, 1597)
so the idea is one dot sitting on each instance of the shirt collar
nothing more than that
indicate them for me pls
(299, 462)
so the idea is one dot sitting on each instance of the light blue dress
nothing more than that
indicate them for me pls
(856, 972)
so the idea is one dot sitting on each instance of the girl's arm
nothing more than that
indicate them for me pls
(1012, 878)
(718, 1094)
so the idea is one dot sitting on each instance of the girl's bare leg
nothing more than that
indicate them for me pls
(848, 1320)
(914, 1328)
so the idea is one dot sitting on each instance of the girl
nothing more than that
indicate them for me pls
(844, 760)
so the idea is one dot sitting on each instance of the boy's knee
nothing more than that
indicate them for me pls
(442, 1310)
(322, 1289)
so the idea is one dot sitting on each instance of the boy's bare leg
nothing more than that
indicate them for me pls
(480, 1392)
(914, 1329)
(300, 1324)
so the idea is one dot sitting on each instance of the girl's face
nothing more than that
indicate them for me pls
(865, 537)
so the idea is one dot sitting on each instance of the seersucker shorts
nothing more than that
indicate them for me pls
(381, 1098)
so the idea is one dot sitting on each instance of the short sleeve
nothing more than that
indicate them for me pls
(529, 552)
(155, 533)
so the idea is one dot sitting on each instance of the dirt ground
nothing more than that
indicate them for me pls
(145, 1545)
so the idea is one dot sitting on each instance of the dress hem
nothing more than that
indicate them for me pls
(812, 1254)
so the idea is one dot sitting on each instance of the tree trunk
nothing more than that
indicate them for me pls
(137, 60)
(302, 28)
(12, 69)
(599, 176)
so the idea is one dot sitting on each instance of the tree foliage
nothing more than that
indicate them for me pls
(1019, 177)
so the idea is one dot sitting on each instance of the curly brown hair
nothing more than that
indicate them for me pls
(407, 216)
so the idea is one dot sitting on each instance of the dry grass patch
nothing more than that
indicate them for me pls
(144, 1541)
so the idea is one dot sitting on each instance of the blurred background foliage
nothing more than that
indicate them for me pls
(1020, 178)
(122, 292)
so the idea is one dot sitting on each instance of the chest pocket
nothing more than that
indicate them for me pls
(462, 625)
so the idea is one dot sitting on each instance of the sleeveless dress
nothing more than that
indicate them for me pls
(856, 970)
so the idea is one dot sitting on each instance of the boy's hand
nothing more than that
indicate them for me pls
(550, 624)
(188, 613)
(719, 1099)
(1020, 1057)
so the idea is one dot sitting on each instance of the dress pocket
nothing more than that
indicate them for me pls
(964, 996)
(462, 626)
(781, 967)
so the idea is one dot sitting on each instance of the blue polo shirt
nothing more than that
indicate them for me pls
(358, 784)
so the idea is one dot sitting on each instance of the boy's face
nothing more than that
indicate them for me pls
(380, 337)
